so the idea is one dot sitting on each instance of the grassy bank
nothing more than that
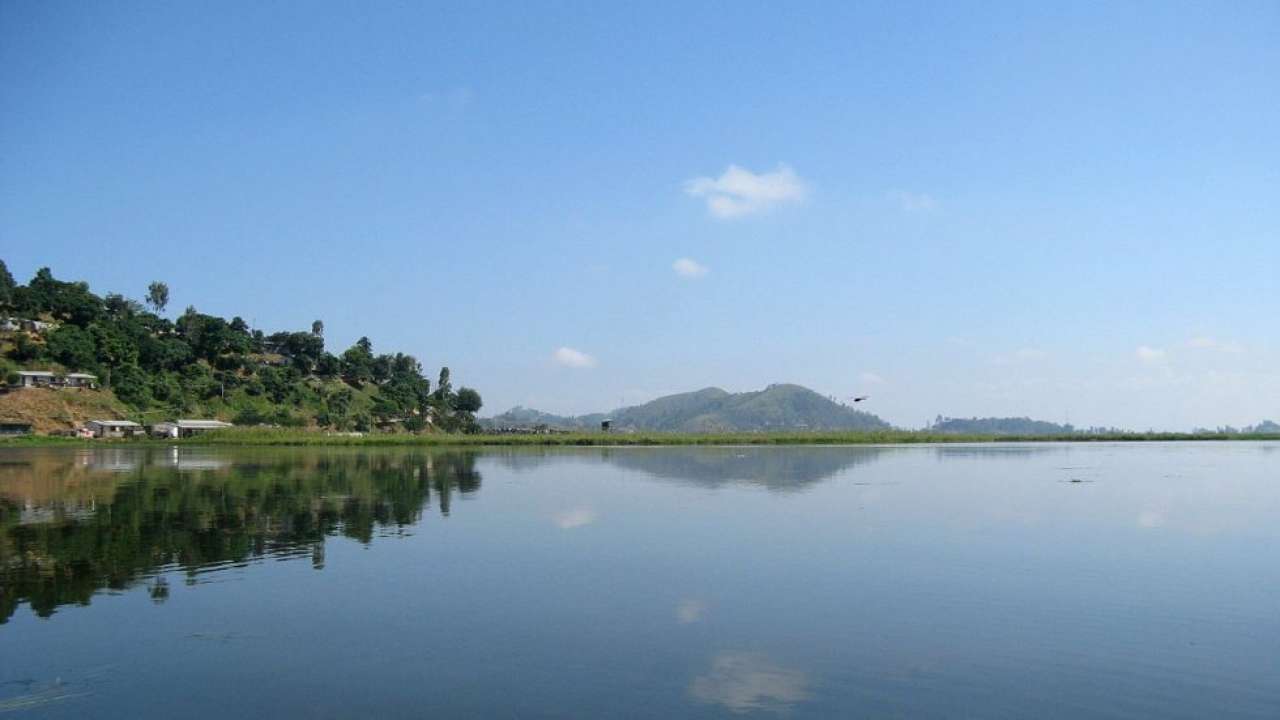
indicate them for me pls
(289, 437)
(293, 437)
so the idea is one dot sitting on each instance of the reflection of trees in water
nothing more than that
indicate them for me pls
(56, 549)
(781, 469)
(995, 452)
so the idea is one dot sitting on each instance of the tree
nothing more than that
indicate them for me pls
(72, 346)
(7, 286)
(444, 388)
(467, 400)
(158, 296)
(130, 385)
(317, 328)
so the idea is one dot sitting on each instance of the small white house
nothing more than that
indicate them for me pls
(81, 380)
(113, 428)
(36, 378)
(186, 428)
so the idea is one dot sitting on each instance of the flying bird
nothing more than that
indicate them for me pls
(860, 399)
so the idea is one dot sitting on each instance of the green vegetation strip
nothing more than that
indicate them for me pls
(258, 436)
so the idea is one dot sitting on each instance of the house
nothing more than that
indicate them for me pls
(47, 378)
(35, 326)
(186, 428)
(80, 380)
(36, 378)
(113, 428)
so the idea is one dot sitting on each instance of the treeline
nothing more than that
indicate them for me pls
(205, 364)
(998, 426)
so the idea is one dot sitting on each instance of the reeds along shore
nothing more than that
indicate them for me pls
(272, 436)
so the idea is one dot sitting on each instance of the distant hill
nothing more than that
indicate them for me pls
(998, 426)
(777, 407)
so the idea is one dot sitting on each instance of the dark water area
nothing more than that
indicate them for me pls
(1056, 580)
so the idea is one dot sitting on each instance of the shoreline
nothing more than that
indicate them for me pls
(248, 437)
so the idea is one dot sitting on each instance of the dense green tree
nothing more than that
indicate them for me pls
(66, 301)
(467, 400)
(7, 286)
(329, 366)
(24, 351)
(73, 347)
(158, 296)
(130, 385)
(357, 363)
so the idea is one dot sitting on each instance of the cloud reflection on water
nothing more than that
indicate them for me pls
(575, 518)
(745, 682)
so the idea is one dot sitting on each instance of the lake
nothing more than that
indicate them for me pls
(1022, 580)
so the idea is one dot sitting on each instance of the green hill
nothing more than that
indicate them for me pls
(201, 365)
(777, 407)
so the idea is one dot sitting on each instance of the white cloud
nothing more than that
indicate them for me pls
(689, 268)
(568, 357)
(1208, 343)
(739, 191)
(575, 518)
(1150, 355)
(914, 202)
(870, 378)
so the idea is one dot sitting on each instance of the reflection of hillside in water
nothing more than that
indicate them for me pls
(781, 469)
(72, 524)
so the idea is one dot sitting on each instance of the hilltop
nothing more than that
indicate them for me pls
(782, 407)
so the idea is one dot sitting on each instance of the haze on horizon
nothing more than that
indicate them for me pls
(1068, 213)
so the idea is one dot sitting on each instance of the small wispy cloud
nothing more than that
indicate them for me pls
(1209, 343)
(738, 191)
(913, 202)
(689, 268)
(568, 357)
(1150, 355)
(575, 518)
(870, 378)
(690, 610)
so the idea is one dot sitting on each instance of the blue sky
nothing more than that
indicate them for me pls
(1063, 212)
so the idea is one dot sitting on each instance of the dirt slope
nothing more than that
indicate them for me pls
(49, 410)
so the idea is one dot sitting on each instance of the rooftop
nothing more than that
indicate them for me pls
(115, 423)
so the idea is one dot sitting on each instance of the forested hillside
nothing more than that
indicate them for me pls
(777, 407)
(998, 426)
(209, 366)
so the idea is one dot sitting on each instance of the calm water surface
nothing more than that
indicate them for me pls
(1137, 580)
